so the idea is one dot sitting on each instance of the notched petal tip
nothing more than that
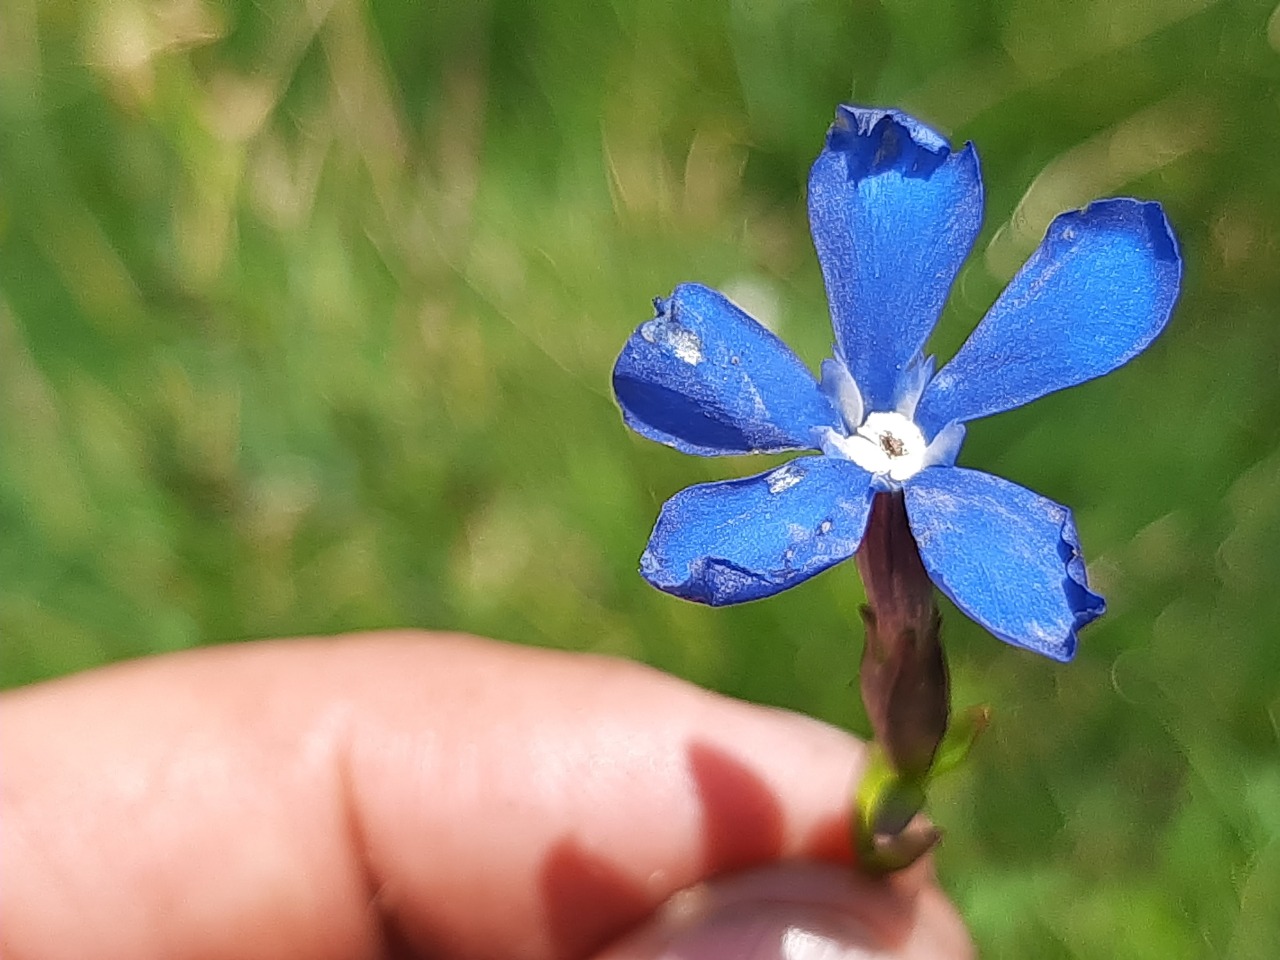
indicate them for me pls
(894, 211)
(1137, 216)
(1086, 605)
(1147, 229)
(875, 140)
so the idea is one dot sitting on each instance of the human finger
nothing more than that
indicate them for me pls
(438, 795)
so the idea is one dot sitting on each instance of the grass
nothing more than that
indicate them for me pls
(307, 313)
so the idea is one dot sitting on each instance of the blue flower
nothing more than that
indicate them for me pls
(894, 212)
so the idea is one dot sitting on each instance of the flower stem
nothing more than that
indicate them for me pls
(904, 683)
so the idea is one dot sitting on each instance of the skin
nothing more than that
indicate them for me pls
(408, 794)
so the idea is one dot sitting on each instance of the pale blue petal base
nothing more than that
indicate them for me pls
(739, 540)
(1009, 558)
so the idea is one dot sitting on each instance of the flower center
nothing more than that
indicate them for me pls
(892, 445)
(886, 444)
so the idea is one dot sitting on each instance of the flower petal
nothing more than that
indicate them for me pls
(738, 540)
(894, 213)
(1093, 296)
(841, 389)
(705, 378)
(1009, 558)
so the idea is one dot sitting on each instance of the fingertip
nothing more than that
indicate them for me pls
(488, 799)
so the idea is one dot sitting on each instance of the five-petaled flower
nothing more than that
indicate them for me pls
(894, 212)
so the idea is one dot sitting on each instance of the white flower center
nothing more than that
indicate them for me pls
(886, 444)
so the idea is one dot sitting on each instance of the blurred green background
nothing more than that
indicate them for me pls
(307, 312)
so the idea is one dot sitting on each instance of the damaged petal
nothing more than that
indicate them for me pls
(666, 332)
(739, 540)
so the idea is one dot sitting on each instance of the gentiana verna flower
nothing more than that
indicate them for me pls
(894, 212)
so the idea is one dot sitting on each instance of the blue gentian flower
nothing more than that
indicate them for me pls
(894, 212)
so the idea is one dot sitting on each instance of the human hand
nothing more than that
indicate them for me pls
(394, 795)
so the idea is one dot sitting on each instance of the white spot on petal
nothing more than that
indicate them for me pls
(682, 342)
(784, 478)
(686, 346)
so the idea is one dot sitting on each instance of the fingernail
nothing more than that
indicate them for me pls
(772, 931)
(796, 912)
